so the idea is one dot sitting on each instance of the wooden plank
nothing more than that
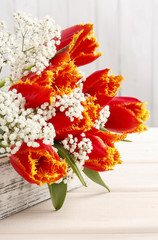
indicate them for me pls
(140, 236)
(138, 152)
(136, 177)
(154, 89)
(146, 137)
(107, 28)
(58, 10)
(6, 10)
(135, 49)
(89, 212)
(27, 6)
(142, 149)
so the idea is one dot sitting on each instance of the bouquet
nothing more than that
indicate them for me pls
(55, 122)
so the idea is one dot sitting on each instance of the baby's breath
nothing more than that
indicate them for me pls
(104, 114)
(23, 125)
(32, 46)
(79, 150)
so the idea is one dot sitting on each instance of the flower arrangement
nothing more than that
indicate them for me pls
(56, 123)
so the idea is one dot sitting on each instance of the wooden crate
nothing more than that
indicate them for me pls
(16, 194)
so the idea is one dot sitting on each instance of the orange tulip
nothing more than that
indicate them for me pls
(102, 86)
(104, 155)
(82, 43)
(38, 165)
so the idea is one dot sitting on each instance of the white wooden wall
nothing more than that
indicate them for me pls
(126, 29)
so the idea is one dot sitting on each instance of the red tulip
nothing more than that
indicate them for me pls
(127, 115)
(102, 86)
(63, 126)
(104, 155)
(38, 165)
(35, 95)
(82, 43)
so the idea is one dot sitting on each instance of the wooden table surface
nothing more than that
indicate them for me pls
(129, 211)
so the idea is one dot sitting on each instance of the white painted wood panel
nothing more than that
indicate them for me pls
(135, 48)
(154, 79)
(136, 177)
(139, 236)
(57, 9)
(7, 7)
(149, 154)
(89, 212)
(107, 30)
(28, 6)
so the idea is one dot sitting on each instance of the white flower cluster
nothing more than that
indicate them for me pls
(18, 125)
(32, 46)
(7, 44)
(104, 114)
(7, 83)
(79, 150)
(71, 103)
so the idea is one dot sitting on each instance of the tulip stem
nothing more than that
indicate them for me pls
(103, 129)
(69, 159)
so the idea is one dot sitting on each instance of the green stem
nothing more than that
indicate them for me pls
(4, 146)
(29, 67)
(23, 39)
(103, 129)
(28, 49)
(69, 159)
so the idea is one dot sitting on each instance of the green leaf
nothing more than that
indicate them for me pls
(28, 68)
(68, 158)
(126, 140)
(95, 177)
(62, 50)
(74, 41)
(1, 131)
(58, 193)
(4, 146)
(2, 83)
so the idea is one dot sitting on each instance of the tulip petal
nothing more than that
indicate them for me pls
(127, 115)
(63, 126)
(104, 154)
(102, 86)
(38, 165)
(34, 94)
(82, 43)
(67, 35)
